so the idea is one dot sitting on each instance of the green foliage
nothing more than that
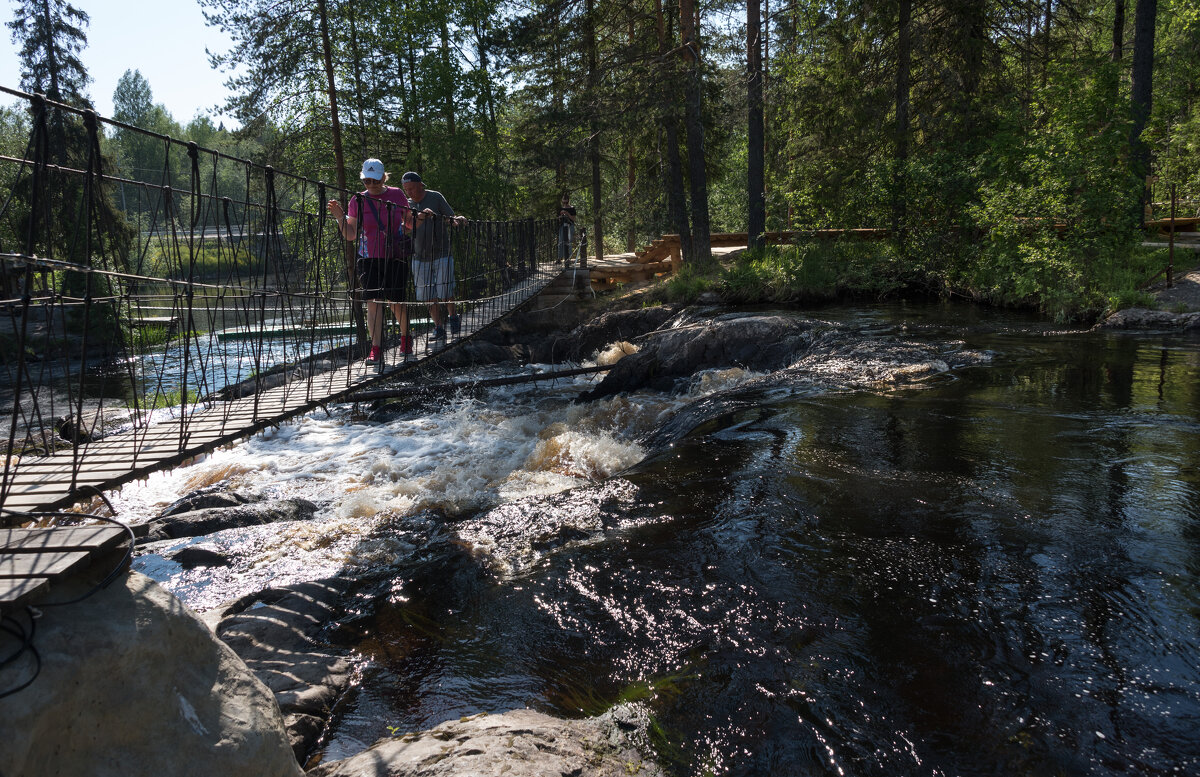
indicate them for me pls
(812, 270)
(1055, 213)
(174, 398)
(688, 284)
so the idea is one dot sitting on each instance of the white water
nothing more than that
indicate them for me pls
(378, 484)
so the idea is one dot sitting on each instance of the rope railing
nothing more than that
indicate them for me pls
(161, 315)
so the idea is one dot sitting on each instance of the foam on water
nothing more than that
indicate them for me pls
(462, 456)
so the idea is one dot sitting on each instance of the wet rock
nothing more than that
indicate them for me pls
(197, 523)
(753, 342)
(583, 341)
(1142, 318)
(205, 499)
(520, 743)
(70, 431)
(200, 556)
(132, 682)
(834, 360)
(553, 336)
(476, 353)
(277, 633)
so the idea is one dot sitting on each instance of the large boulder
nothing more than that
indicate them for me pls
(520, 743)
(276, 632)
(545, 337)
(746, 340)
(586, 339)
(197, 523)
(132, 683)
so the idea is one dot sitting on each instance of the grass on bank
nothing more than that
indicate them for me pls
(822, 271)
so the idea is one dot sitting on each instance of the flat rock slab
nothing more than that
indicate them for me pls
(1142, 318)
(520, 743)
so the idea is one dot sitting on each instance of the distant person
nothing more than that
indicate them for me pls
(433, 263)
(384, 247)
(566, 228)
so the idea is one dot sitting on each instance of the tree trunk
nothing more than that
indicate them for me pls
(693, 122)
(1118, 31)
(488, 106)
(973, 25)
(356, 58)
(339, 158)
(1046, 53)
(593, 80)
(755, 189)
(903, 69)
(449, 77)
(630, 205)
(416, 158)
(1144, 19)
(676, 200)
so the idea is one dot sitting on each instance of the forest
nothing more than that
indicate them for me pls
(1013, 149)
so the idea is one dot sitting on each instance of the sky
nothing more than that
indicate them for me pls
(164, 40)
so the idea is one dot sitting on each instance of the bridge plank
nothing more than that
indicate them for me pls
(61, 539)
(18, 590)
(18, 565)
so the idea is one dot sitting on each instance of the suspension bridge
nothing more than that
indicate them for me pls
(149, 319)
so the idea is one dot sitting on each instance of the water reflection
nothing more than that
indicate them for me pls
(994, 574)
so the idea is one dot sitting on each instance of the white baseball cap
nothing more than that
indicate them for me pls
(372, 168)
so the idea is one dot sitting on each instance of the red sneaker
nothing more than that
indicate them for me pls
(406, 344)
(375, 354)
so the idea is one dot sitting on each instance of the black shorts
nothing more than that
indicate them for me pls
(382, 279)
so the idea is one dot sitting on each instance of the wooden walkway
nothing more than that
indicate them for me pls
(31, 558)
(59, 480)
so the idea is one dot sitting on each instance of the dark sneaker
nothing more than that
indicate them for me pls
(455, 325)
(439, 333)
(375, 354)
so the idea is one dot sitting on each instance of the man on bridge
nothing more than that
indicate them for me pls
(433, 263)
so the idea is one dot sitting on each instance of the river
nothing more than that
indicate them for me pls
(950, 542)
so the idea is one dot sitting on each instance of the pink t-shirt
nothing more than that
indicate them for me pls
(373, 237)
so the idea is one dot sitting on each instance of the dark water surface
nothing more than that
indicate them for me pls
(992, 572)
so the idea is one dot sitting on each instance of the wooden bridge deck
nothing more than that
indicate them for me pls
(31, 558)
(59, 480)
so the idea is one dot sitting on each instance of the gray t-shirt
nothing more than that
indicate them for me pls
(431, 239)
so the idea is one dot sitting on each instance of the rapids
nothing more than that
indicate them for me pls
(944, 541)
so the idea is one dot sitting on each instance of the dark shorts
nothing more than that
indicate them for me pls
(382, 279)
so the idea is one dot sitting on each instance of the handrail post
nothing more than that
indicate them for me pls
(1171, 243)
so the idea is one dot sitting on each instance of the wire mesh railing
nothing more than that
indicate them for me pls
(154, 314)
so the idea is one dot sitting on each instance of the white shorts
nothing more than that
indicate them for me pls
(435, 279)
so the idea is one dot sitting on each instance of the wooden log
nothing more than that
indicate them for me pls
(451, 387)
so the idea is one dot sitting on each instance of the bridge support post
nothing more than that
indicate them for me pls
(583, 276)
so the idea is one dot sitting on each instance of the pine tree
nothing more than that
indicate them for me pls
(50, 36)
(78, 223)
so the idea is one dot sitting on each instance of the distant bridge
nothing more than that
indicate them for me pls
(135, 337)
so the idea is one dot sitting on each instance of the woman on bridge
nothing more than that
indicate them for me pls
(384, 246)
